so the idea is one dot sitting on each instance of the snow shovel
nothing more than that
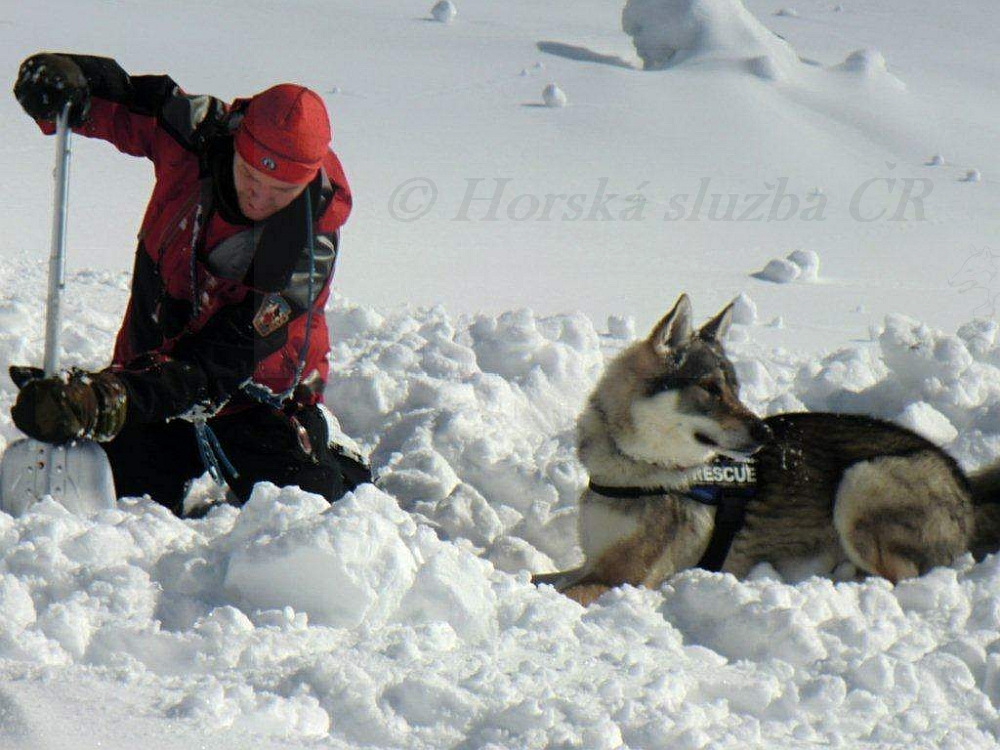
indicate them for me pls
(76, 474)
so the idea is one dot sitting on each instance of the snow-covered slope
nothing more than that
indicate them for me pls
(457, 105)
(403, 616)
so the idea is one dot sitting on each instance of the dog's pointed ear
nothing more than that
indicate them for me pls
(674, 329)
(717, 328)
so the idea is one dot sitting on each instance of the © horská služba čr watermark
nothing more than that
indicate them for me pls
(498, 199)
(979, 277)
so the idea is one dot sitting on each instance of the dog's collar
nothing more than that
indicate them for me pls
(706, 494)
(707, 484)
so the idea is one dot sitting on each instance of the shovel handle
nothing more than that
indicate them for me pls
(57, 260)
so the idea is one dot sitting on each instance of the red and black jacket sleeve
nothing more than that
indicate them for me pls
(138, 113)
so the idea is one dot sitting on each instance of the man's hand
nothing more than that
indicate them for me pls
(47, 82)
(70, 406)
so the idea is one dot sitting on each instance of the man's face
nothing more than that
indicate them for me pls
(259, 195)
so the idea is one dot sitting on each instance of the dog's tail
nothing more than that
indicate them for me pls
(985, 485)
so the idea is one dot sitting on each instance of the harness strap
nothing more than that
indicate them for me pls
(212, 456)
(259, 392)
(729, 518)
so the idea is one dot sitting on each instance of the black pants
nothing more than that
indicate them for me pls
(262, 443)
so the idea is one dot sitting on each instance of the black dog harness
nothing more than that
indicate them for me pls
(727, 485)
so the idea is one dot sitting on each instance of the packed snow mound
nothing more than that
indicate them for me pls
(765, 68)
(925, 420)
(869, 64)
(780, 271)
(744, 310)
(799, 265)
(667, 33)
(808, 263)
(553, 96)
(444, 11)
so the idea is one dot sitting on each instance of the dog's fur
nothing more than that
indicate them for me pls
(831, 489)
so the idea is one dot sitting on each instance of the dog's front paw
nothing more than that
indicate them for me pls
(586, 593)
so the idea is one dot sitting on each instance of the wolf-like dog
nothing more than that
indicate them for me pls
(829, 489)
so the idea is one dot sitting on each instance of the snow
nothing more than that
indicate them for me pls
(667, 33)
(553, 96)
(744, 310)
(780, 271)
(432, 645)
(444, 11)
(925, 420)
(403, 616)
(657, 134)
(464, 348)
(868, 63)
(808, 263)
(801, 265)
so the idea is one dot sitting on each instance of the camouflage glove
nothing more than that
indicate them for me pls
(70, 406)
(46, 82)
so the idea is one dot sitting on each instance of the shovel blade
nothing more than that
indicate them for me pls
(77, 475)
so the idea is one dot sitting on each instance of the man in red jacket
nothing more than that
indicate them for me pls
(222, 357)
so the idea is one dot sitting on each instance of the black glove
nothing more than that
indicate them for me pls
(70, 406)
(46, 82)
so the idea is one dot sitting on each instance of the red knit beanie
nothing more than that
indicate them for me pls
(285, 133)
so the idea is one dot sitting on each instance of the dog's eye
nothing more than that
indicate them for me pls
(712, 388)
